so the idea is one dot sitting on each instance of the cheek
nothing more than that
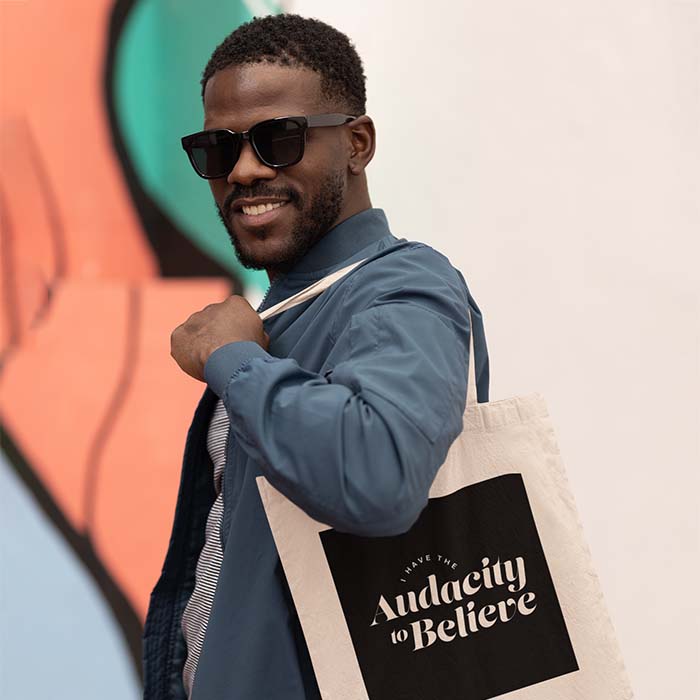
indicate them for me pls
(218, 191)
(313, 177)
(324, 154)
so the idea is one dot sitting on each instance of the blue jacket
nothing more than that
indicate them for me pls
(350, 414)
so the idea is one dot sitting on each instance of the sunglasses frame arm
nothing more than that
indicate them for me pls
(335, 119)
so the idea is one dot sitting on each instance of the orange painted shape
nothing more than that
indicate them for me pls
(30, 239)
(56, 388)
(51, 68)
(140, 470)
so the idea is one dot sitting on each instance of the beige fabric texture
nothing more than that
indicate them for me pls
(509, 436)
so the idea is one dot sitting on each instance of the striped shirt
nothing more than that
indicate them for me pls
(196, 614)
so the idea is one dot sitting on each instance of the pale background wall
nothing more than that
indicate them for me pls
(551, 150)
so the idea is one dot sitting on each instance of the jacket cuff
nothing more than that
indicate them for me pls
(225, 361)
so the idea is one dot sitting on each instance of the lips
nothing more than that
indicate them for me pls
(256, 209)
(255, 220)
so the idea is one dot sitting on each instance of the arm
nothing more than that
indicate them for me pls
(358, 448)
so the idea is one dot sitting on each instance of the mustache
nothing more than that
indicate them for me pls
(235, 195)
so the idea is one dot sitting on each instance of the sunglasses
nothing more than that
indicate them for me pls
(277, 143)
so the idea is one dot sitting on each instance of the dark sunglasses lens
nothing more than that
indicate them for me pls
(214, 153)
(279, 142)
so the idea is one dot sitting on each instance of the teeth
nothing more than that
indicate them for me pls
(261, 208)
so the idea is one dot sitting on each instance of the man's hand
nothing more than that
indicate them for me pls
(204, 331)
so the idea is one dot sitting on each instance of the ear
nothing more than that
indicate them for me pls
(361, 144)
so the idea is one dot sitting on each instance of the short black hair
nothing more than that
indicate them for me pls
(295, 41)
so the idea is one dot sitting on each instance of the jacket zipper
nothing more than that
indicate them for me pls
(267, 293)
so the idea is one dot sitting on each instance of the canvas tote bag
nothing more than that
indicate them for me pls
(491, 593)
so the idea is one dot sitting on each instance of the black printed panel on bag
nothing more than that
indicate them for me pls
(461, 607)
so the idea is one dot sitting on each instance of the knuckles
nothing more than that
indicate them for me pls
(236, 300)
(235, 305)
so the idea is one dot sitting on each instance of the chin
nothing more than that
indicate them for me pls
(252, 258)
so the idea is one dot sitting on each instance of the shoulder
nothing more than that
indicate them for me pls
(405, 278)
(410, 271)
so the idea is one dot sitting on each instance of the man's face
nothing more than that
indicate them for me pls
(313, 190)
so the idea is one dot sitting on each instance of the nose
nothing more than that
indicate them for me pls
(249, 168)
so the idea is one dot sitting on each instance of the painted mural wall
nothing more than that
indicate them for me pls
(549, 149)
(108, 242)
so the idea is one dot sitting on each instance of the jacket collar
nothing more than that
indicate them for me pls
(342, 241)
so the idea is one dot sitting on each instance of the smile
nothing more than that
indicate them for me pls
(260, 214)
(261, 208)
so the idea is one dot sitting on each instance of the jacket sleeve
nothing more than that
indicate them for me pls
(357, 447)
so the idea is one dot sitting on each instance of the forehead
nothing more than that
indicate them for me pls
(239, 96)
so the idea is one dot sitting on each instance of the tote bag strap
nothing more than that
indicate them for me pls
(479, 372)
(309, 292)
(478, 383)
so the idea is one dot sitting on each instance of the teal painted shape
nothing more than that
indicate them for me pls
(159, 62)
(59, 639)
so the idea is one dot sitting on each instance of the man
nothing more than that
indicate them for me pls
(347, 403)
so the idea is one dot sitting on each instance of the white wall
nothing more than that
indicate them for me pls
(551, 150)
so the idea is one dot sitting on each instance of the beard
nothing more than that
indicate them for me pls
(315, 219)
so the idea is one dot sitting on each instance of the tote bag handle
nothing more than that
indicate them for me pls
(478, 384)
